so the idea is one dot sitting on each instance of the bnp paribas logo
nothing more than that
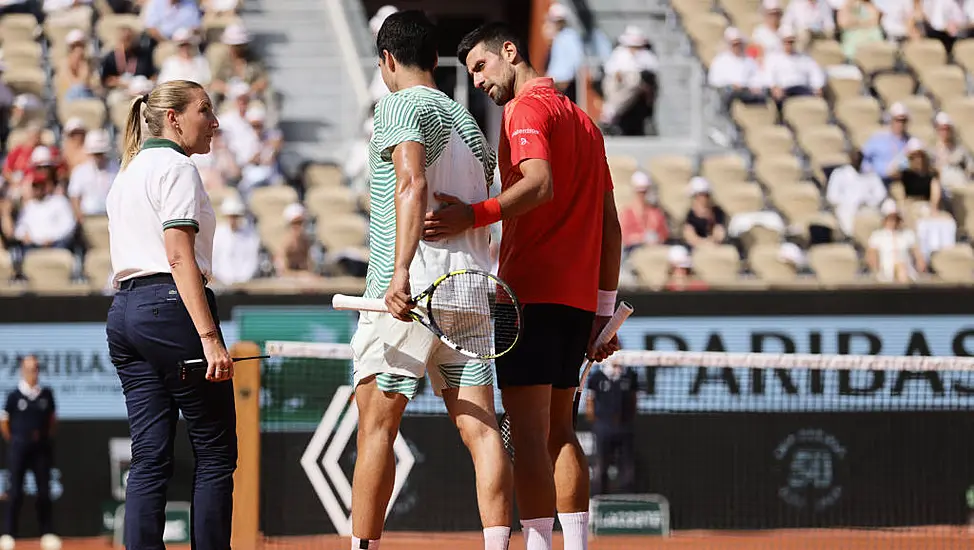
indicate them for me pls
(322, 460)
(811, 466)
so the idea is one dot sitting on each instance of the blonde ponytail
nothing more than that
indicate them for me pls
(175, 95)
(133, 130)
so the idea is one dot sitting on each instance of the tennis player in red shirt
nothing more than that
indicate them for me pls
(560, 251)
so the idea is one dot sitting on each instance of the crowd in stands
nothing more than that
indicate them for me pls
(851, 158)
(69, 70)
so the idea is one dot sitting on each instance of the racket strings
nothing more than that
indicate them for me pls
(475, 313)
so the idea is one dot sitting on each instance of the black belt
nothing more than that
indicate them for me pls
(154, 279)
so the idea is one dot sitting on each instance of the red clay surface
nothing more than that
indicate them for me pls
(946, 538)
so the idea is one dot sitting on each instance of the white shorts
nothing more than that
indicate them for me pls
(399, 354)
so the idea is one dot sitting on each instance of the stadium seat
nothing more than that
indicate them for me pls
(923, 54)
(954, 264)
(858, 111)
(740, 9)
(797, 203)
(670, 170)
(48, 269)
(838, 88)
(963, 54)
(220, 194)
(874, 57)
(22, 54)
(961, 111)
(215, 53)
(866, 221)
(721, 168)
(894, 87)
(716, 264)
(97, 268)
(6, 267)
(214, 24)
(764, 261)
(759, 235)
(826, 53)
(272, 233)
(96, 231)
(674, 200)
(778, 171)
(705, 27)
(91, 111)
(822, 142)
(767, 141)
(18, 27)
(325, 201)
(26, 80)
(163, 51)
(747, 22)
(739, 198)
(340, 232)
(803, 112)
(322, 175)
(945, 83)
(108, 26)
(834, 263)
(651, 265)
(751, 116)
(920, 108)
(268, 203)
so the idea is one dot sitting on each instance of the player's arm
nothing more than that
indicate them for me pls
(409, 159)
(609, 266)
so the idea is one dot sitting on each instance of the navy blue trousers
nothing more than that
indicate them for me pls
(35, 456)
(149, 332)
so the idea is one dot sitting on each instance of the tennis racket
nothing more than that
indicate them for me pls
(469, 310)
(621, 314)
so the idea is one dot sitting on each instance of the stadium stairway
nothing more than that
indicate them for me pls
(312, 60)
(685, 122)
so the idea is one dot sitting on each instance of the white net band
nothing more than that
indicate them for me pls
(713, 359)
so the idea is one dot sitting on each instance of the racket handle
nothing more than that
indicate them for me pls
(358, 303)
(622, 313)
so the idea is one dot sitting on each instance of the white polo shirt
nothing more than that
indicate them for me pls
(161, 188)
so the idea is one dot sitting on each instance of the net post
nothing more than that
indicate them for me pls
(246, 478)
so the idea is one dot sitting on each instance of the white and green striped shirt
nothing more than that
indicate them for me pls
(459, 162)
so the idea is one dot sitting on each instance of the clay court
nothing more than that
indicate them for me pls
(933, 538)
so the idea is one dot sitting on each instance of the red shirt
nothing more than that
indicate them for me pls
(643, 226)
(552, 253)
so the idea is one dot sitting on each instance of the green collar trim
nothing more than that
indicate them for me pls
(161, 143)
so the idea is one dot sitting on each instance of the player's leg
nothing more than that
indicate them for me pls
(525, 375)
(17, 465)
(41, 466)
(381, 400)
(468, 392)
(571, 469)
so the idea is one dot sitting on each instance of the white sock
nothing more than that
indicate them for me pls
(537, 533)
(364, 544)
(497, 538)
(574, 526)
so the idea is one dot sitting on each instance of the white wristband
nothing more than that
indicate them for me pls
(607, 303)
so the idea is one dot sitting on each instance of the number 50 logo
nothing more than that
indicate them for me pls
(809, 461)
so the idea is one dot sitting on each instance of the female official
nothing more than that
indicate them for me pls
(161, 228)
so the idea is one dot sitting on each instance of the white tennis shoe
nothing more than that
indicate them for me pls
(50, 542)
(7, 543)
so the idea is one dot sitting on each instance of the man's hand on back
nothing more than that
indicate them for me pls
(452, 219)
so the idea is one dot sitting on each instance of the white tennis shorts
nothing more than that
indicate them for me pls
(399, 354)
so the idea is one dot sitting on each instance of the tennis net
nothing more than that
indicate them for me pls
(810, 451)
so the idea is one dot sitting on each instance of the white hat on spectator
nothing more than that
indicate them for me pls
(733, 34)
(27, 101)
(914, 145)
(557, 12)
(74, 124)
(641, 181)
(256, 113)
(223, 5)
(139, 85)
(294, 212)
(97, 142)
(375, 24)
(791, 253)
(786, 32)
(699, 185)
(75, 36)
(943, 119)
(42, 156)
(633, 37)
(898, 110)
(679, 256)
(238, 89)
(232, 206)
(235, 35)
(771, 5)
(888, 207)
(184, 35)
